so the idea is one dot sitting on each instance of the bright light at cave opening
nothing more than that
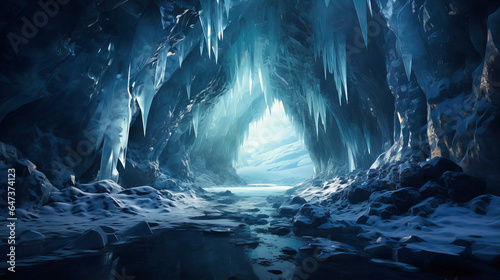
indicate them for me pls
(273, 153)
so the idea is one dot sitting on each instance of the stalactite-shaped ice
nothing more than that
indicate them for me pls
(407, 61)
(360, 6)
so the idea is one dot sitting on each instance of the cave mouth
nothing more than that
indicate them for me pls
(273, 153)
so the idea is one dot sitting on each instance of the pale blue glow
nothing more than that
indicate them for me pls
(273, 152)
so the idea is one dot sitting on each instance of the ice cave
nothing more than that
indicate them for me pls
(250, 139)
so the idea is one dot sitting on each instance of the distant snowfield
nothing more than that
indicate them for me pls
(273, 153)
(254, 190)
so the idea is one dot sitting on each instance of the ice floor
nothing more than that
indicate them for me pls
(236, 234)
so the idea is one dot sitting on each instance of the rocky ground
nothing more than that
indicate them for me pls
(414, 220)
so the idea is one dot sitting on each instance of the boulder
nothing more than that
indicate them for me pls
(140, 229)
(434, 257)
(480, 204)
(31, 237)
(427, 207)
(462, 187)
(289, 250)
(432, 188)
(279, 230)
(289, 210)
(311, 216)
(298, 200)
(362, 219)
(435, 167)
(411, 175)
(404, 198)
(358, 194)
(93, 239)
(33, 189)
(383, 251)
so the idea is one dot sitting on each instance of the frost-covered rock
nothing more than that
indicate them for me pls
(359, 194)
(432, 188)
(311, 216)
(140, 229)
(405, 198)
(104, 186)
(93, 239)
(434, 257)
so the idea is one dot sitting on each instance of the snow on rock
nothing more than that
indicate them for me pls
(93, 239)
(104, 186)
(310, 216)
(140, 229)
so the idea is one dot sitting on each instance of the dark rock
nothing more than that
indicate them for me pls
(405, 198)
(411, 175)
(275, 271)
(385, 215)
(427, 207)
(34, 189)
(462, 187)
(480, 204)
(434, 257)
(252, 220)
(31, 237)
(384, 197)
(462, 242)
(141, 191)
(311, 216)
(289, 210)
(411, 239)
(93, 239)
(340, 257)
(140, 229)
(7, 152)
(382, 251)
(435, 167)
(298, 200)
(289, 251)
(362, 219)
(432, 188)
(250, 243)
(372, 173)
(226, 193)
(278, 230)
(218, 231)
(104, 186)
(358, 194)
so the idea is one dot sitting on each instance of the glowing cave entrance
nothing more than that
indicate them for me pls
(273, 153)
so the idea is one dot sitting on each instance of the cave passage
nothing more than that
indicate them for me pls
(273, 153)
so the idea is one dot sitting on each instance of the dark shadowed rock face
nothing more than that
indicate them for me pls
(462, 187)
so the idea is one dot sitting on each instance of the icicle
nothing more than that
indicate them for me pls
(260, 80)
(201, 47)
(369, 4)
(407, 61)
(327, 2)
(342, 61)
(161, 65)
(350, 157)
(196, 120)
(360, 6)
